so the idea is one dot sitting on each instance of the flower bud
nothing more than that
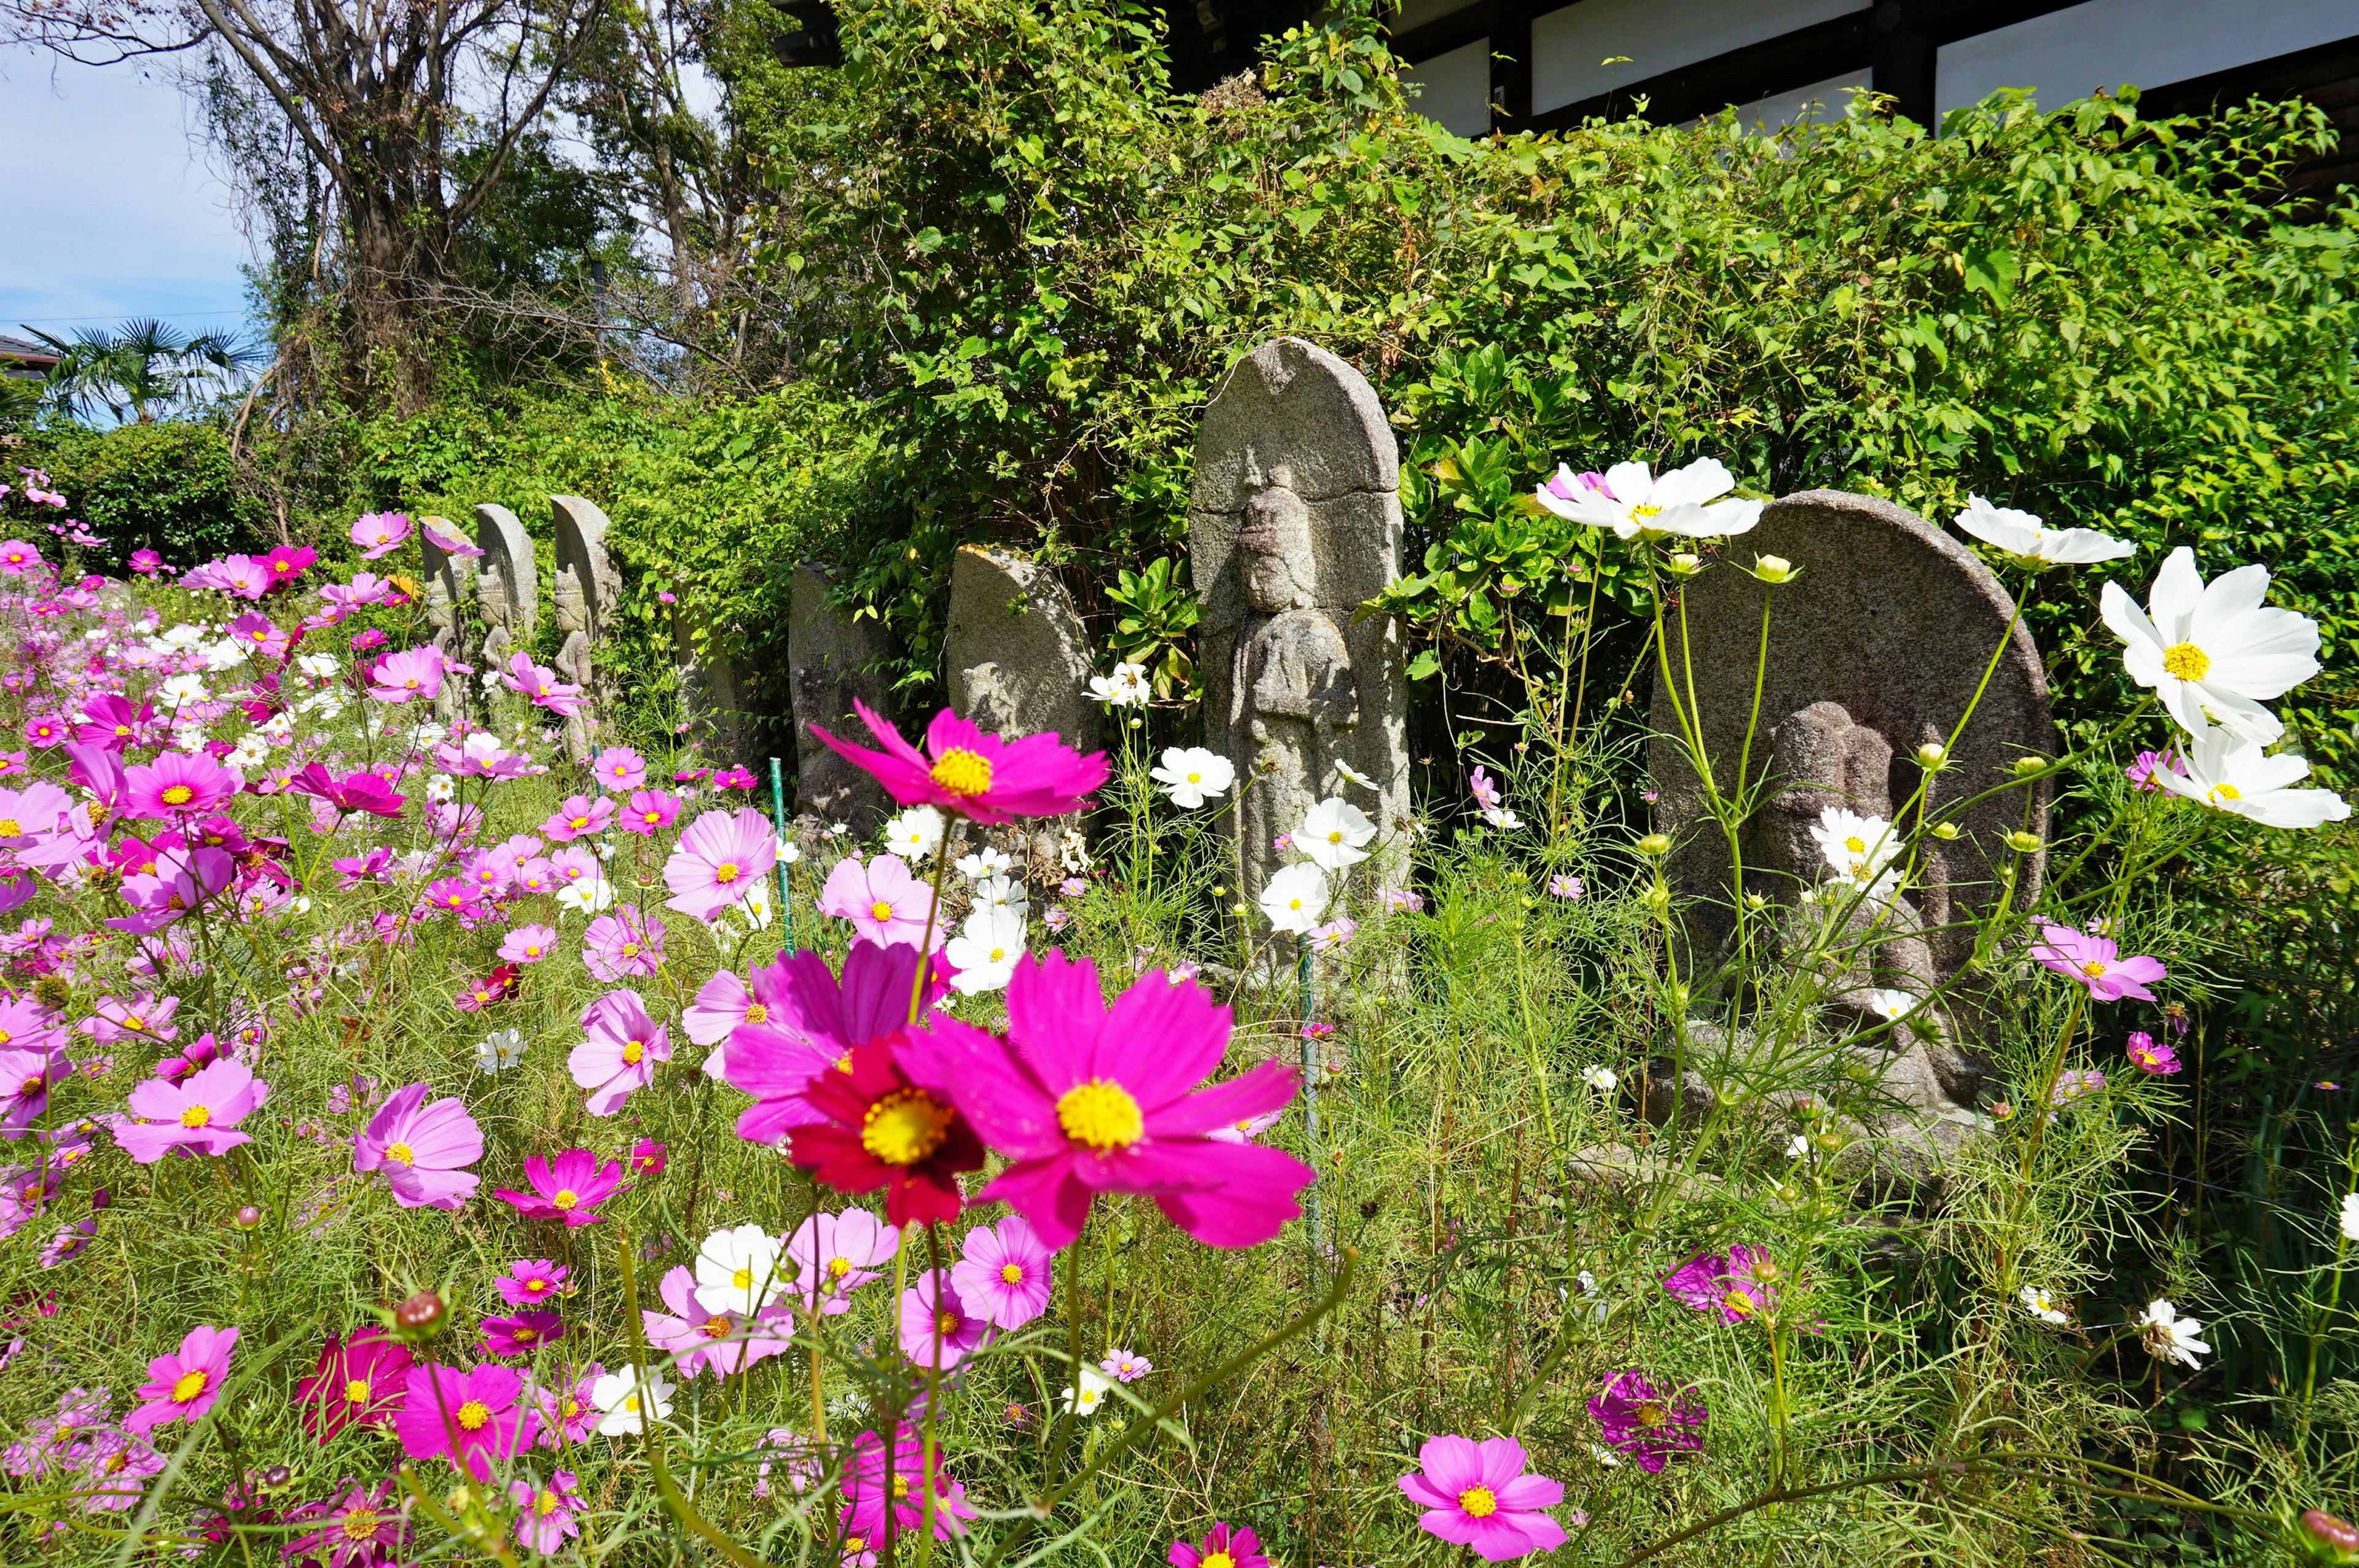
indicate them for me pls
(1656, 898)
(2023, 843)
(1932, 755)
(2001, 1110)
(421, 1316)
(1654, 844)
(2025, 767)
(247, 1218)
(1774, 568)
(1685, 564)
(2329, 1539)
(1944, 830)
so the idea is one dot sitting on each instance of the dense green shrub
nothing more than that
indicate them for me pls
(172, 486)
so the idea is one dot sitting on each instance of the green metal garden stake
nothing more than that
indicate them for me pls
(778, 821)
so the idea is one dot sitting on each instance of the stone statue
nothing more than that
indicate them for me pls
(1876, 647)
(710, 708)
(507, 587)
(1294, 524)
(587, 588)
(446, 595)
(832, 659)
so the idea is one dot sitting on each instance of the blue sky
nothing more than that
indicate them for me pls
(112, 212)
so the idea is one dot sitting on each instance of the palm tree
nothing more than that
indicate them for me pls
(145, 370)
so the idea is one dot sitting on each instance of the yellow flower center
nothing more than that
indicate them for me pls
(1197, 778)
(534, 1287)
(742, 1279)
(1856, 844)
(1218, 1560)
(880, 910)
(1650, 1413)
(1738, 1302)
(474, 1415)
(717, 1326)
(189, 1385)
(632, 1049)
(1102, 1115)
(2185, 660)
(402, 1152)
(525, 1334)
(837, 1267)
(901, 1487)
(756, 1013)
(565, 1199)
(34, 1084)
(178, 794)
(1336, 837)
(963, 772)
(905, 1127)
(630, 949)
(1478, 1502)
(196, 1116)
(2226, 791)
(725, 872)
(547, 1503)
(356, 1392)
(2094, 968)
(360, 1526)
(1012, 1272)
(946, 1323)
(11, 826)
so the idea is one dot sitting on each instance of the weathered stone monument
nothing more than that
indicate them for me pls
(831, 659)
(507, 586)
(1876, 647)
(1294, 524)
(708, 705)
(446, 609)
(586, 589)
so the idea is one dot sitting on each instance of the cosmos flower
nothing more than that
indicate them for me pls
(721, 858)
(531, 1279)
(1125, 1367)
(915, 833)
(620, 769)
(884, 900)
(2096, 963)
(1478, 1494)
(183, 1385)
(568, 1188)
(2213, 653)
(1085, 1099)
(1648, 1426)
(412, 673)
(362, 1529)
(580, 816)
(177, 784)
(1295, 897)
(1004, 1273)
(1223, 1546)
(521, 1334)
(544, 1517)
(2023, 539)
(379, 533)
(1334, 834)
(986, 950)
(936, 1326)
(2230, 773)
(702, 1333)
(528, 944)
(865, 1488)
(738, 1269)
(1190, 776)
(811, 1019)
(539, 684)
(1636, 504)
(200, 1113)
(621, 1051)
(2042, 1305)
(472, 1418)
(2169, 1336)
(835, 1254)
(623, 945)
(648, 811)
(2159, 1058)
(359, 1379)
(1739, 1283)
(1858, 849)
(880, 1127)
(421, 1148)
(971, 775)
(625, 1404)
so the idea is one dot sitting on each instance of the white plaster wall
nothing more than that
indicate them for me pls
(1820, 102)
(2067, 54)
(1569, 46)
(1457, 89)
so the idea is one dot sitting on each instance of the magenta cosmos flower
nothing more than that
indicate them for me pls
(184, 1386)
(359, 1378)
(530, 1279)
(2096, 963)
(580, 816)
(621, 1054)
(1647, 1425)
(1739, 1283)
(379, 533)
(200, 1113)
(570, 1187)
(1085, 1099)
(521, 1334)
(1223, 1546)
(1477, 1494)
(420, 1149)
(865, 1489)
(361, 1528)
(648, 810)
(721, 856)
(471, 1417)
(811, 1022)
(979, 777)
(177, 784)
(1004, 1273)
(932, 1313)
(884, 900)
(2153, 1056)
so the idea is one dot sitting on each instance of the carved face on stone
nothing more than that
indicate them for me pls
(1275, 545)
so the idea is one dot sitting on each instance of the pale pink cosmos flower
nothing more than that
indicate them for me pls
(421, 1148)
(1004, 1273)
(540, 683)
(621, 1054)
(184, 1385)
(379, 533)
(412, 673)
(528, 944)
(438, 531)
(579, 818)
(1126, 1366)
(1245, 1129)
(620, 769)
(719, 860)
(835, 1254)
(625, 944)
(883, 899)
(565, 1408)
(200, 1113)
(706, 1337)
(936, 1326)
(2096, 963)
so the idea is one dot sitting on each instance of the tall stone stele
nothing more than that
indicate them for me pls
(448, 583)
(1294, 524)
(507, 586)
(831, 659)
(587, 588)
(1876, 647)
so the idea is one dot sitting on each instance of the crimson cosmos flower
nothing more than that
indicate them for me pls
(359, 1379)
(883, 1129)
(979, 777)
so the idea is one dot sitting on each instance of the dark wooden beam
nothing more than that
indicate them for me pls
(2327, 75)
(1510, 33)
(1444, 33)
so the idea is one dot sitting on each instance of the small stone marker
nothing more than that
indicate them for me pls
(587, 588)
(1294, 523)
(831, 659)
(507, 587)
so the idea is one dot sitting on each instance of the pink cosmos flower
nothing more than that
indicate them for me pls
(975, 776)
(412, 673)
(362, 1529)
(1647, 1425)
(569, 1188)
(531, 1279)
(362, 791)
(649, 811)
(420, 1149)
(454, 895)
(2096, 963)
(200, 1113)
(721, 858)
(534, 876)
(621, 1054)
(37, 810)
(17, 558)
(184, 1386)
(540, 683)
(119, 1467)
(1124, 1366)
(544, 1519)
(1245, 1129)
(705, 1336)
(528, 944)
(1485, 792)
(835, 1254)
(579, 818)
(261, 633)
(438, 531)
(2141, 772)
(470, 1417)
(2150, 1055)
(625, 944)
(865, 1489)
(288, 562)
(619, 768)
(721, 1004)
(359, 1379)
(1477, 1495)
(1086, 1100)
(566, 1412)
(25, 1080)
(1004, 1273)
(1739, 1283)
(884, 901)
(177, 784)
(521, 1334)
(379, 533)
(646, 1158)
(812, 1021)
(933, 1317)
(1223, 1546)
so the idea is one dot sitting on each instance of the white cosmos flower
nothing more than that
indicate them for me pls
(626, 1403)
(1894, 1005)
(1858, 848)
(1190, 776)
(2229, 774)
(1599, 1076)
(226, 655)
(1295, 899)
(2213, 653)
(737, 1269)
(183, 688)
(586, 894)
(2169, 1336)
(981, 863)
(1095, 1387)
(319, 666)
(1002, 893)
(500, 1048)
(2042, 1305)
(1355, 775)
(1798, 1147)
(915, 834)
(985, 950)
(2350, 1216)
(1126, 687)
(2023, 539)
(752, 911)
(1605, 1456)
(1333, 833)
(1502, 818)
(1636, 504)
